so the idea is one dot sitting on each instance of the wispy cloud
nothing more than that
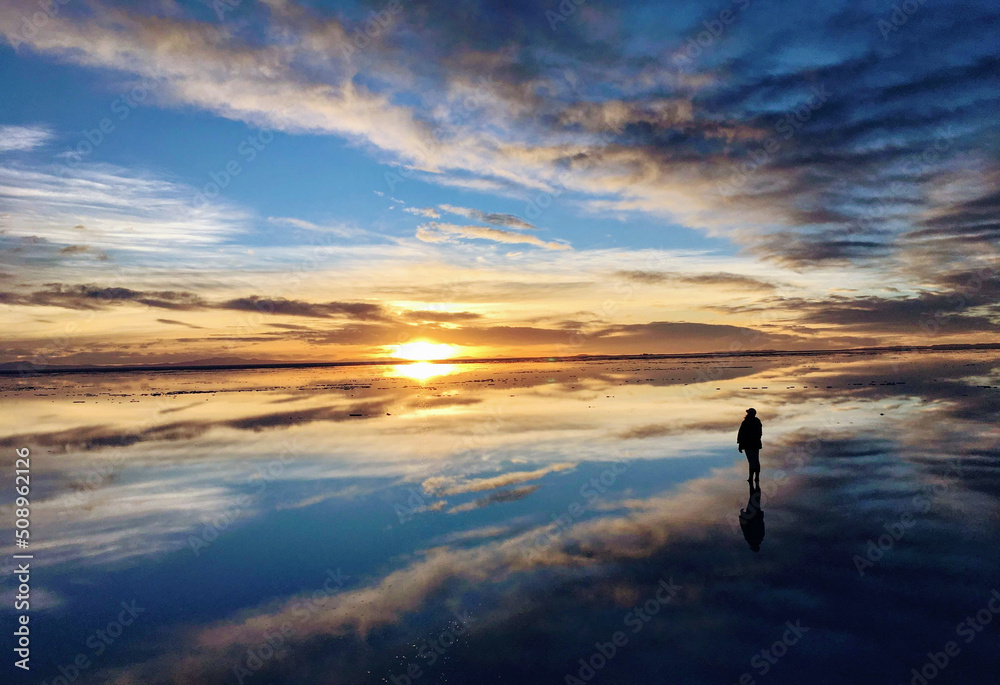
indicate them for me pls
(114, 209)
(723, 279)
(443, 485)
(436, 232)
(17, 138)
(508, 220)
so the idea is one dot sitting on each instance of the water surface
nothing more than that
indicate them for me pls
(521, 523)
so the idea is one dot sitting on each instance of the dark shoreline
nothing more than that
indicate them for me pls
(28, 369)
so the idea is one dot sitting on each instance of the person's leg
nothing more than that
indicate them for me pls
(754, 457)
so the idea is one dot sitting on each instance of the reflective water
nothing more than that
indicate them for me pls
(522, 523)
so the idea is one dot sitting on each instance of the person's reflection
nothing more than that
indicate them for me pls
(752, 520)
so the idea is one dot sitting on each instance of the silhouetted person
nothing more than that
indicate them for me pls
(748, 440)
(752, 520)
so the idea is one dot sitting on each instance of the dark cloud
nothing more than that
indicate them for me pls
(83, 249)
(91, 297)
(87, 438)
(484, 291)
(721, 278)
(510, 495)
(494, 218)
(361, 311)
(929, 314)
(657, 430)
(972, 221)
(799, 250)
(960, 311)
(174, 322)
(441, 317)
(683, 337)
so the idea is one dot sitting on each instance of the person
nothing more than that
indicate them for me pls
(752, 520)
(748, 441)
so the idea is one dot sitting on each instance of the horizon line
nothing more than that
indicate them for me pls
(28, 368)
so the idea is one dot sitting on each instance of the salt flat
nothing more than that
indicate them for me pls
(525, 523)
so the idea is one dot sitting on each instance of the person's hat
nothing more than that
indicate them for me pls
(752, 412)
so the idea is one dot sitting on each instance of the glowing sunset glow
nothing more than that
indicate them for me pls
(605, 200)
(422, 351)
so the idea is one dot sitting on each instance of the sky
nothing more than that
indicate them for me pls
(283, 180)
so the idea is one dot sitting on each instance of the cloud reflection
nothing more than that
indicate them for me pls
(850, 442)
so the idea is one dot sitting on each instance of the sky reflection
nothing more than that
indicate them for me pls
(356, 513)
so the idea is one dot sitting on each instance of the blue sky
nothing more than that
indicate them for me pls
(551, 179)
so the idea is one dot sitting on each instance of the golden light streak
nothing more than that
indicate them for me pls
(423, 351)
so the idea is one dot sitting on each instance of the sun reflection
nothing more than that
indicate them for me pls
(421, 371)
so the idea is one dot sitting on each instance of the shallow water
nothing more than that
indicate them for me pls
(522, 523)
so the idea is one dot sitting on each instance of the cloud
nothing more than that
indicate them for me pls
(723, 279)
(20, 138)
(965, 310)
(508, 220)
(830, 247)
(658, 430)
(441, 316)
(117, 210)
(99, 437)
(796, 161)
(361, 311)
(83, 250)
(173, 322)
(428, 212)
(338, 230)
(511, 495)
(684, 337)
(926, 313)
(435, 232)
(91, 297)
(445, 486)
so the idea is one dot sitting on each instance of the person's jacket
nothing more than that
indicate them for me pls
(749, 435)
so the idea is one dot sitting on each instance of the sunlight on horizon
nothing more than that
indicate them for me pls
(423, 351)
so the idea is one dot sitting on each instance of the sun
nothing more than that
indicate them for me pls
(422, 351)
